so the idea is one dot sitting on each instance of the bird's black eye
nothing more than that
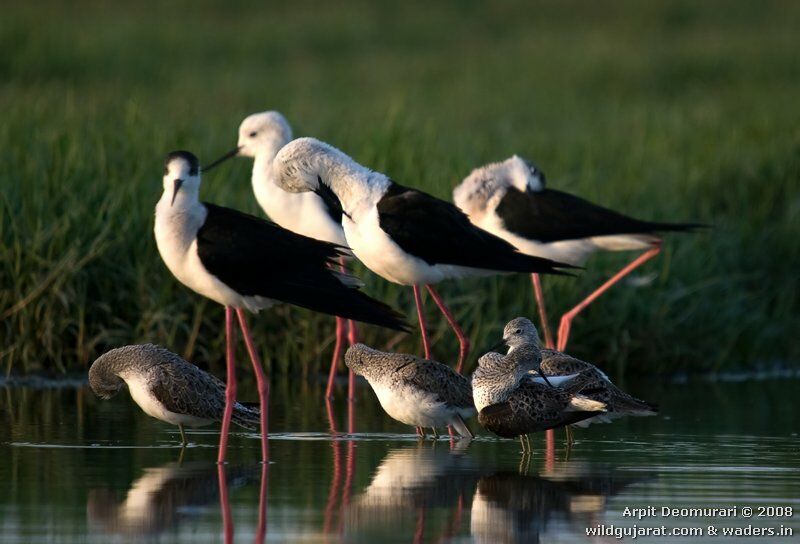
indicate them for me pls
(253, 134)
(518, 331)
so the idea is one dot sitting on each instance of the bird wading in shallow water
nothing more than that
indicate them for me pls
(247, 263)
(510, 200)
(261, 136)
(166, 387)
(536, 364)
(415, 391)
(404, 235)
(511, 403)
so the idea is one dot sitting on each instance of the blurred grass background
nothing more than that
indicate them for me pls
(680, 111)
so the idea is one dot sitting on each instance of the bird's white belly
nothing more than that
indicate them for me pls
(140, 393)
(413, 407)
(373, 247)
(573, 252)
(303, 213)
(178, 249)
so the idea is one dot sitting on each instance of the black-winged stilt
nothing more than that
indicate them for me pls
(510, 200)
(261, 136)
(166, 387)
(247, 263)
(402, 234)
(415, 391)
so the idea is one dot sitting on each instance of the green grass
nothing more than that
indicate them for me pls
(666, 110)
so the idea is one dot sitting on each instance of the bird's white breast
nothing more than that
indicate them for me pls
(412, 406)
(141, 394)
(303, 213)
(176, 238)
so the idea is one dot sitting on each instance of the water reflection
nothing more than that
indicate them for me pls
(165, 496)
(64, 453)
(410, 482)
(510, 507)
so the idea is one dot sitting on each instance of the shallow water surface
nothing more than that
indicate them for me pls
(77, 469)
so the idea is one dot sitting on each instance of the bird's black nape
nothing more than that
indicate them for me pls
(188, 156)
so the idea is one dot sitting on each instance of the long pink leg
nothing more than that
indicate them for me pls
(352, 337)
(230, 386)
(225, 505)
(426, 345)
(566, 319)
(337, 354)
(261, 383)
(545, 323)
(463, 340)
(261, 531)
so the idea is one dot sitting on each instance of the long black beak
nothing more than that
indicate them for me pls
(178, 183)
(232, 153)
(539, 370)
(500, 344)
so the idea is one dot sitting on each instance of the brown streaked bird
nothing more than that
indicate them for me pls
(166, 387)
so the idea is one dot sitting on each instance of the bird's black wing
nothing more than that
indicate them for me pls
(258, 258)
(549, 216)
(439, 233)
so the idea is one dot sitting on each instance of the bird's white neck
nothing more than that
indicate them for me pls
(358, 188)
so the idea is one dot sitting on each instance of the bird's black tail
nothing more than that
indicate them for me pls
(654, 226)
(350, 303)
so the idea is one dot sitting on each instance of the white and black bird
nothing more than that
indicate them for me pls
(166, 387)
(404, 235)
(510, 200)
(261, 136)
(247, 263)
(415, 391)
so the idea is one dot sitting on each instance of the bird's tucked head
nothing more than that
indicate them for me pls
(103, 378)
(524, 175)
(181, 176)
(265, 132)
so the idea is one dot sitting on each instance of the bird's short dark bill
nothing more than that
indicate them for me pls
(498, 345)
(232, 153)
(178, 183)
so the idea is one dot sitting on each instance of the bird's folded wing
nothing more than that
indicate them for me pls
(439, 233)
(550, 215)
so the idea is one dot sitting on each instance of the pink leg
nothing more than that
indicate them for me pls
(545, 324)
(225, 505)
(463, 340)
(566, 319)
(352, 337)
(337, 354)
(261, 531)
(230, 386)
(261, 382)
(426, 345)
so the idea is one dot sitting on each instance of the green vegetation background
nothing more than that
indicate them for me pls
(665, 110)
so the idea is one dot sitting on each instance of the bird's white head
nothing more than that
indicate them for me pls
(264, 132)
(300, 164)
(520, 332)
(181, 177)
(524, 175)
